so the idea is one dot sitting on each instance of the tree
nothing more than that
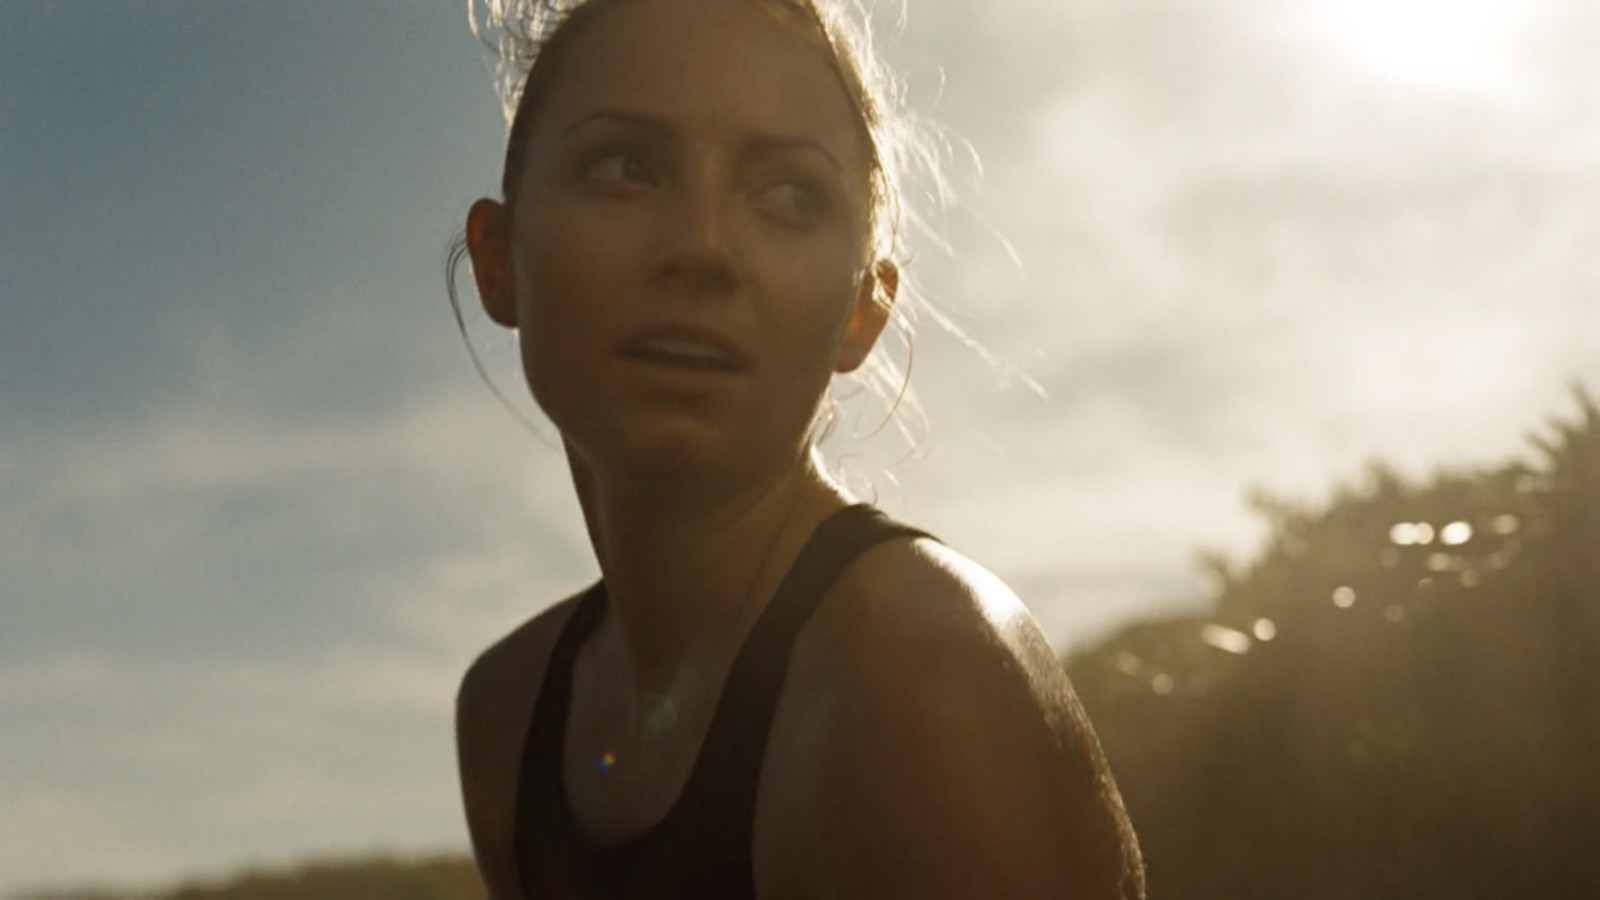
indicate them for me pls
(1399, 697)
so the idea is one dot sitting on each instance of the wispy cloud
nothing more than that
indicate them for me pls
(258, 624)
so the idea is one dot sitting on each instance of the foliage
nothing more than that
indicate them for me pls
(434, 878)
(1399, 698)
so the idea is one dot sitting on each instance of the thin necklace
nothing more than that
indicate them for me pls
(660, 713)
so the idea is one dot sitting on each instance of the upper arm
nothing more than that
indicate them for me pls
(953, 760)
(493, 708)
(480, 764)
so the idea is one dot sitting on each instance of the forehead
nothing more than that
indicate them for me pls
(708, 67)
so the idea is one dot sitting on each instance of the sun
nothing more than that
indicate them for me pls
(1450, 44)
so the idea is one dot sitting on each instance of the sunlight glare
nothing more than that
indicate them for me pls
(1425, 43)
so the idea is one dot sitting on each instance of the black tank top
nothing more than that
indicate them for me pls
(702, 847)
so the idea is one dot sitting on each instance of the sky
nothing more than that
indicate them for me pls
(257, 512)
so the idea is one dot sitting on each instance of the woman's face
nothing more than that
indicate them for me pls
(687, 252)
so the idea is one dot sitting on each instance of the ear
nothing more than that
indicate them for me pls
(874, 299)
(489, 246)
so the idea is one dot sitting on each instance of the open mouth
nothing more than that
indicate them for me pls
(684, 353)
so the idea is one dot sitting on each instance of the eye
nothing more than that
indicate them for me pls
(796, 200)
(618, 167)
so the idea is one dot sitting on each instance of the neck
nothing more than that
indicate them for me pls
(688, 567)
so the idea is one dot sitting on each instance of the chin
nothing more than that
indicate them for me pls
(688, 451)
(682, 438)
(675, 448)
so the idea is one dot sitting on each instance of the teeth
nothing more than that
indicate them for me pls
(684, 349)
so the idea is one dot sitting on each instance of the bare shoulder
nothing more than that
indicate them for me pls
(929, 742)
(506, 663)
(493, 707)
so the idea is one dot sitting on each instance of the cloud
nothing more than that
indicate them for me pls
(207, 506)
(270, 760)
(1244, 264)
(280, 753)
(255, 622)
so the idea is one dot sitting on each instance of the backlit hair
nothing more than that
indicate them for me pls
(528, 37)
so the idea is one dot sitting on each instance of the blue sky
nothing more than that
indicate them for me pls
(257, 512)
(229, 211)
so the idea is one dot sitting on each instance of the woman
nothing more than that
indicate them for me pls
(770, 692)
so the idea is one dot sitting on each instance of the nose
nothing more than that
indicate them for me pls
(698, 246)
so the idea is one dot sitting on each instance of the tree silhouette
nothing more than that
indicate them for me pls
(1400, 697)
(451, 877)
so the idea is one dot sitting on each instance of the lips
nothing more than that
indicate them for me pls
(685, 347)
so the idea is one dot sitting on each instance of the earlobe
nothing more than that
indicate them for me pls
(874, 300)
(488, 228)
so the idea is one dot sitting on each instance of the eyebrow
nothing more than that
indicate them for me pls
(620, 117)
(773, 144)
(759, 143)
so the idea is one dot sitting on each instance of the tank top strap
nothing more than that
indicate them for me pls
(542, 814)
(728, 772)
(703, 845)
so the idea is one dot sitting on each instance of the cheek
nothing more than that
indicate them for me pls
(566, 284)
(818, 294)
(571, 260)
